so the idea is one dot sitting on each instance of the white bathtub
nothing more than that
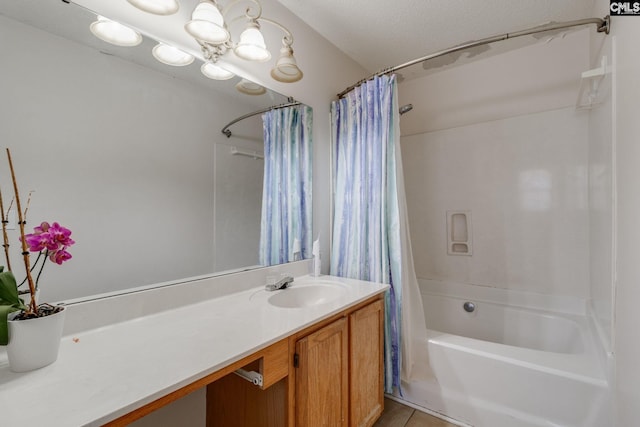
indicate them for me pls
(518, 360)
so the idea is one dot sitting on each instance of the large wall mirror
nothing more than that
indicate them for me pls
(126, 152)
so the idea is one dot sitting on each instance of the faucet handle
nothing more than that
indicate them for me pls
(275, 282)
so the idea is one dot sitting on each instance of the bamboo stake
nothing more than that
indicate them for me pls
(33, 306)
(4, 233)
(28, 204)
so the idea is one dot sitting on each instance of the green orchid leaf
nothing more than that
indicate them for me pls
(4, 326)
(10, 301)
(9, 289)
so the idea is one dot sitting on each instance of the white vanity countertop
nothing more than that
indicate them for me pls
(104, 373)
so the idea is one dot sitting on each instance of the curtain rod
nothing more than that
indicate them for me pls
(603, 25)
(290, 103)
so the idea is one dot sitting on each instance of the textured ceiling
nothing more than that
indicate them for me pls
(380, 34)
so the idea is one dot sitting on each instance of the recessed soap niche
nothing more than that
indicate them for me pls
(459, 241)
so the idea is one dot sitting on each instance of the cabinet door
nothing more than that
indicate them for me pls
(366, 364)
(322, 377)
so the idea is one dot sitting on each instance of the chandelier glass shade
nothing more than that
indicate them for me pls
(251, 46)
(214, 71)
(115, 33)
(286, 69)
(171, 56)
(207, 24)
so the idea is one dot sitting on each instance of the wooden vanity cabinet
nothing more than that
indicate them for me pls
(329, 374)
(366, 365)
(338, 371)
(322, 376)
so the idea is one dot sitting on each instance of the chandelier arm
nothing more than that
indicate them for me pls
(288, 37)
(247, 14)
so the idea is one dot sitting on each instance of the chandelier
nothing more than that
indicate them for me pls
(210, 27)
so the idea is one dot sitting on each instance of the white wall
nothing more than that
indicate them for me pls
(627, 136)
(509, 146)
(625, 127)
(190, 410)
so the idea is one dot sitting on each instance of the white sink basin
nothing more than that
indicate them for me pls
(307, 295)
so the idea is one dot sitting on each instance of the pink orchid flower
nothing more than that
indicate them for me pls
(54, 238)
(60, 256)
(60, 235)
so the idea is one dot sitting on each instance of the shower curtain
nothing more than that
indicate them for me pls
(370, 238)
(286, 222)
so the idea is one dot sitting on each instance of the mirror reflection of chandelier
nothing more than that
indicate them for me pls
(157, 7)
(209, 26)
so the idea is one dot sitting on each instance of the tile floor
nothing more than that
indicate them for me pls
(398, 415)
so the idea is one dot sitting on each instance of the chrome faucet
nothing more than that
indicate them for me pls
(278, 284)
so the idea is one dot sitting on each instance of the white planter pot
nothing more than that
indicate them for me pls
(34, 343)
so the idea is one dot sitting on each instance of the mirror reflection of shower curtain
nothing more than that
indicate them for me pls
(370, 227)
(286, 223)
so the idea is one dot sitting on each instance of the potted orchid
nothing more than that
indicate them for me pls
(31, 331)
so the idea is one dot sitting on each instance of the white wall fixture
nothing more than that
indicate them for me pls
(213, 27)
(459, 240)
(210, 26)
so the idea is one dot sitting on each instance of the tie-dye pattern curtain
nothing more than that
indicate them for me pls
(370, 231)
(286, 224)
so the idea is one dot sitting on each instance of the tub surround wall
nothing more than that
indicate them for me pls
(524, 180)
(507, 144)
(543, 209)
(601, 196)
